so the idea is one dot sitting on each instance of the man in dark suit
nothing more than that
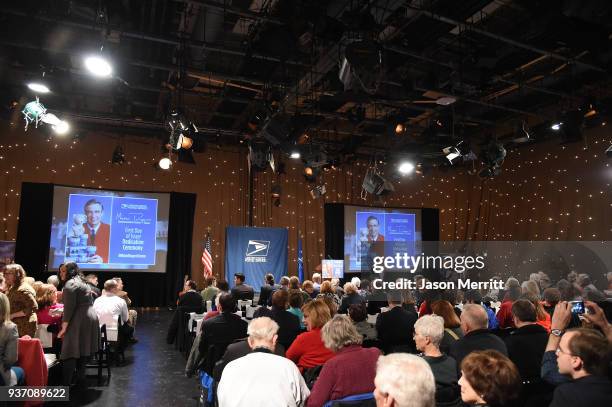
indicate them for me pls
(265, 295)
(221, 330)
(583, 354)
(288, 323)
(396, 326)
(474, 322)
(527, 343)
(242, 291)
(191, 298)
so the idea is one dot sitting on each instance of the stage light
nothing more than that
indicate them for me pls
(295, 155)
(118, 156)
(556, 126)
(276, 191)
(38, 87)
(399, 128)
(61, 128)
(183, 142)
(98, 66)
(318, 191)
(445, 100)
(452, 154)
(165, 163)
(405, 167)
(308, 171)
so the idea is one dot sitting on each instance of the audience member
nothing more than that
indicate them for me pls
(504, 314)
(265, 379)
(395, 327)
(223, 286)
(530, 287)
(452, 324)
(10, 375)
(351, 297)
(544, 281)
(543, 319)
(328, 291)
(284, 283)
(335, 283)
(191, 298)
(294, 287)
(22, 299)
(526, 344)
(241, 290)
(295, 307)
(308, 350)
(289, 324)
(333, 307)
(224, 328)
(132, 314)
(316, 281)
(337, 378)
(62, 276)
(308, 288)
(568, 290)
(80, 331)
(3, 287)
(474, 297)
(210, 290)
(404, 380)
(109, 307)
(265, 293)
(428, 332)
(92, 280)
(489, 378)
(359, 316)
(551, 297)
(474, 323)
(49, 311)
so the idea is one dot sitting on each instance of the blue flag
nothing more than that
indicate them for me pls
(300, 261)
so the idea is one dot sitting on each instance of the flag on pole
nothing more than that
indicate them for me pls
(300, 260)
(207, 258)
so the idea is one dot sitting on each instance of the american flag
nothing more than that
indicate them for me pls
(207, 258)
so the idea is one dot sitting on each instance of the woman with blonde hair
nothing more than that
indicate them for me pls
(9, 338)
(22, 299)
(327, 290)
(308, 350)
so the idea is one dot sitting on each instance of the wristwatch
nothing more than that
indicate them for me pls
(556, 332)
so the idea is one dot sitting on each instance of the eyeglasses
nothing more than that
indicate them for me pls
(559, 350)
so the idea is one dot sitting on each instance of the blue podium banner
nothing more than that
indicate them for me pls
(255, 252)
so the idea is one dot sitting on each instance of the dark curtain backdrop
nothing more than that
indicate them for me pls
(334, 230)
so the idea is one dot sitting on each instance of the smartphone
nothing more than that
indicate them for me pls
(577, 307)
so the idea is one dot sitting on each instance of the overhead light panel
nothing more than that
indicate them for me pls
(98, 66)
(38, 87)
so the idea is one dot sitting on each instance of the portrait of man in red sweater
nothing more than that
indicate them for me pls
(373, 228)
(98, 233)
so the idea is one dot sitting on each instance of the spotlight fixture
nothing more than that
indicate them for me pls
(118, 156)
(35, 112)
(399, 128)
(446, 100)
(452, 154)
(61, 128)
(295, 155)
(98, 66)
(523, 135)
(405, 167)
(38, 87)
(609, 152)
(165, 163)
(318, 191)
(493, 158)
(183, 142)
(308, 171)
(374, 183)
(276, 191)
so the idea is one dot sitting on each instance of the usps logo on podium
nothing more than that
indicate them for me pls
(257, 251)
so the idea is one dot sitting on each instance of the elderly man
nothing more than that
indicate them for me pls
(404, 380)
(266, 379)
(132, 314)
(474, 322)
(109, 306)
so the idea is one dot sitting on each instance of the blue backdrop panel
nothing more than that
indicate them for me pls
(255, 252)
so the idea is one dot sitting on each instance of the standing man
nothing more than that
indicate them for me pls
(98, 233)
(373, 226)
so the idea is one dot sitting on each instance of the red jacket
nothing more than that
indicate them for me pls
(102, 240)
(307, 350)
(32, 360)
(338, 378)
(504, 315)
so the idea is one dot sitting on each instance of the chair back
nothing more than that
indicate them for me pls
(214, 353)
(112, 330)
(209, 306)
(46, 337)
(356, 400)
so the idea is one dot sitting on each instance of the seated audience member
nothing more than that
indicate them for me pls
(337, 378)
(584, 355)
(223, 287)
(608, 290)
(316, 281)
(543, 319)
(213, 313)
(109, 307)
(359, 316)
(489, 378)
(289, 324)
(36, 286)
(3, 287)
(262, 378)
(191, 298)
(474, 323)
(452, 324)
(351, 297)
(527, 342)
(428, 332)
(474, 297)
(504, 314)
(284, 283)
(49, 311)
(328, 291)
(308, 350)
(551, 297)
(22, 299)
(10, 375)
(295, 307)
(530, 287)
(210, 290)
(92, 281)
(265, 295)
(333, 307)
(395, 327)
(308, 288)
(241, 290)
(404, 380)
(53, 279)
(222, 329)
(294, 287)
(335, 283)
(365, 289)
(132, 314)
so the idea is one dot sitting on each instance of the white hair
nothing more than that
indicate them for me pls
(262, 328)
(431, 326)
(356, 281)
(53, 279)
(475, 316)
(407, 378)
(316, 277)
